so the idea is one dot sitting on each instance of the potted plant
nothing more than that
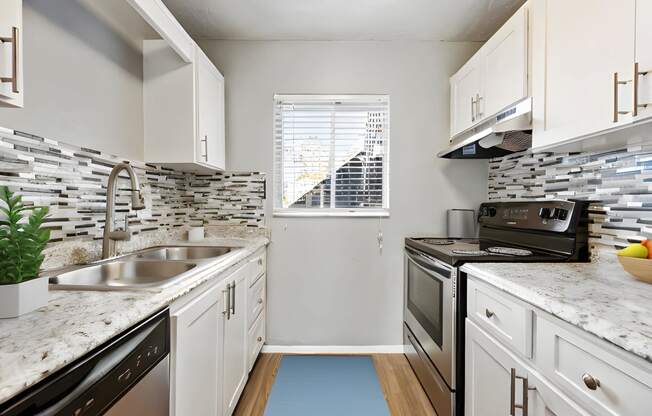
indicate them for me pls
(22, 241)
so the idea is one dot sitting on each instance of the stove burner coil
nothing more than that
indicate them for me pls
(434, 242)
(508, 251)
(469, 252)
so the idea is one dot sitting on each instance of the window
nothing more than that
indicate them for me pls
(331, 155)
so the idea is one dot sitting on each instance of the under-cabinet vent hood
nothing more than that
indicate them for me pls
(508, 132)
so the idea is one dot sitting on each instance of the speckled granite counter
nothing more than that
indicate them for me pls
(598, 297)
(75, 322)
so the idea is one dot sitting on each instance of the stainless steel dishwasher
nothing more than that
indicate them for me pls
(128, 375)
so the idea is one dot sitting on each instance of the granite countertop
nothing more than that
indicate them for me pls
(75, 322)
(598, 297)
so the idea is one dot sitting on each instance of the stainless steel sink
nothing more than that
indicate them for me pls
(124, 274)
(182, 253)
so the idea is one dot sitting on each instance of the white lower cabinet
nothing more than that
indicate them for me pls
(500, 384)
(567, 372)
(213, 344)
(235, 347)
(196, 356)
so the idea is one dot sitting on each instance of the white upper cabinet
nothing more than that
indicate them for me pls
(505, 65)
(643, 59)
(494, 78)
(11, 53)
(582, 68)
(466, 85)
(210, 112)
(183, 109)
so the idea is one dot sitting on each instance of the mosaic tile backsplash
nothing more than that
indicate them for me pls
(621, 180)
(71, 181)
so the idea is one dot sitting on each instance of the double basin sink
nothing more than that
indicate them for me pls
(153, 268)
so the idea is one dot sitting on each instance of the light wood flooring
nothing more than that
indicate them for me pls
(404, 394)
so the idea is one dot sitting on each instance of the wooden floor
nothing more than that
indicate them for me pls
(402, 390)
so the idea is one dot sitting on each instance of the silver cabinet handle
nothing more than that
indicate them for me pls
(227, 300)
(616, 86)
(260, 261)
(590, 382)
(233, 298)
(478, 113)
(489, 313)
(637, 73)
(260, 301)
(14, 57)
(205, 141)
(472, 109)
(526, 388)
(259, 339)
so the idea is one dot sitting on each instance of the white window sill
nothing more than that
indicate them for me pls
(317, 212)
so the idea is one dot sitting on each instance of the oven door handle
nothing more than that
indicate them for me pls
(428, 264)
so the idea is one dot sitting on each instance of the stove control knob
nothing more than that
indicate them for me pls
(492, 211)
(562, 214)
(544, 213)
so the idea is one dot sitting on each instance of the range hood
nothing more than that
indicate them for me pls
(507, 132)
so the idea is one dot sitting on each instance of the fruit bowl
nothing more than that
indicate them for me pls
(637, 267)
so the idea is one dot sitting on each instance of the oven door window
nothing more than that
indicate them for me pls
(425, 299)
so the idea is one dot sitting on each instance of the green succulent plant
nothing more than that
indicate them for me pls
(22, 239)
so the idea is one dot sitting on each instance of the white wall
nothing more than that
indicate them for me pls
(328, 282)
(83, 82)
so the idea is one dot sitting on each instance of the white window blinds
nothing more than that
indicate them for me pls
(331, 154)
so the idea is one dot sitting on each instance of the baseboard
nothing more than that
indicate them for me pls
(333, 349)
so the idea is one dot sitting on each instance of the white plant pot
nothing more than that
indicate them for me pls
(21, 298)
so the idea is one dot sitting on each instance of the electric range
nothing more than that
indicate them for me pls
(435, 289)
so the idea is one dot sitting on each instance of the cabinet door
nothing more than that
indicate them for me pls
(644, 57)
(488, 375)
(235, 348)
(505, 66)
(210, 113)
(546, 400)
(586, 42)
(196, 356)
(465, 90)
(11, 53)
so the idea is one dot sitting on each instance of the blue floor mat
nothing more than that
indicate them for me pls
(318, 385)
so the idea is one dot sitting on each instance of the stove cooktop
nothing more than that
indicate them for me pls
(456, 252)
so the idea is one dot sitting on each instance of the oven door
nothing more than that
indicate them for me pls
(430, 309)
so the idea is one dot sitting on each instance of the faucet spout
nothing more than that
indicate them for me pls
(137, 202)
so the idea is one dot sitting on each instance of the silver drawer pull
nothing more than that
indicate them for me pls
(14, 60)
(590, 382)
(489, 313)
(260, 300)
(259, 339)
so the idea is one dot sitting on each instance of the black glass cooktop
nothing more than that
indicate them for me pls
(459, 251)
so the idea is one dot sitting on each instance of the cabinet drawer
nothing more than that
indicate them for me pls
(256, 300)
(257, 266)
(256, 340)
(507, 319)
(578, 365)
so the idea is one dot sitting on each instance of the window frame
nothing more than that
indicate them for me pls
(279, 211)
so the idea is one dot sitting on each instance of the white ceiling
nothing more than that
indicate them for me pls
(451, 20)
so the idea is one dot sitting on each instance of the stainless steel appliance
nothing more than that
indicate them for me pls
(128, 375)
(435, 289)
(460, 223)
(506, 132)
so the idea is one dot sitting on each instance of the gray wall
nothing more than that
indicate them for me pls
(329, 284)
(83, 82)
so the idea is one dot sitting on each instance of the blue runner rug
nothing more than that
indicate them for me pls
(319, 385)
